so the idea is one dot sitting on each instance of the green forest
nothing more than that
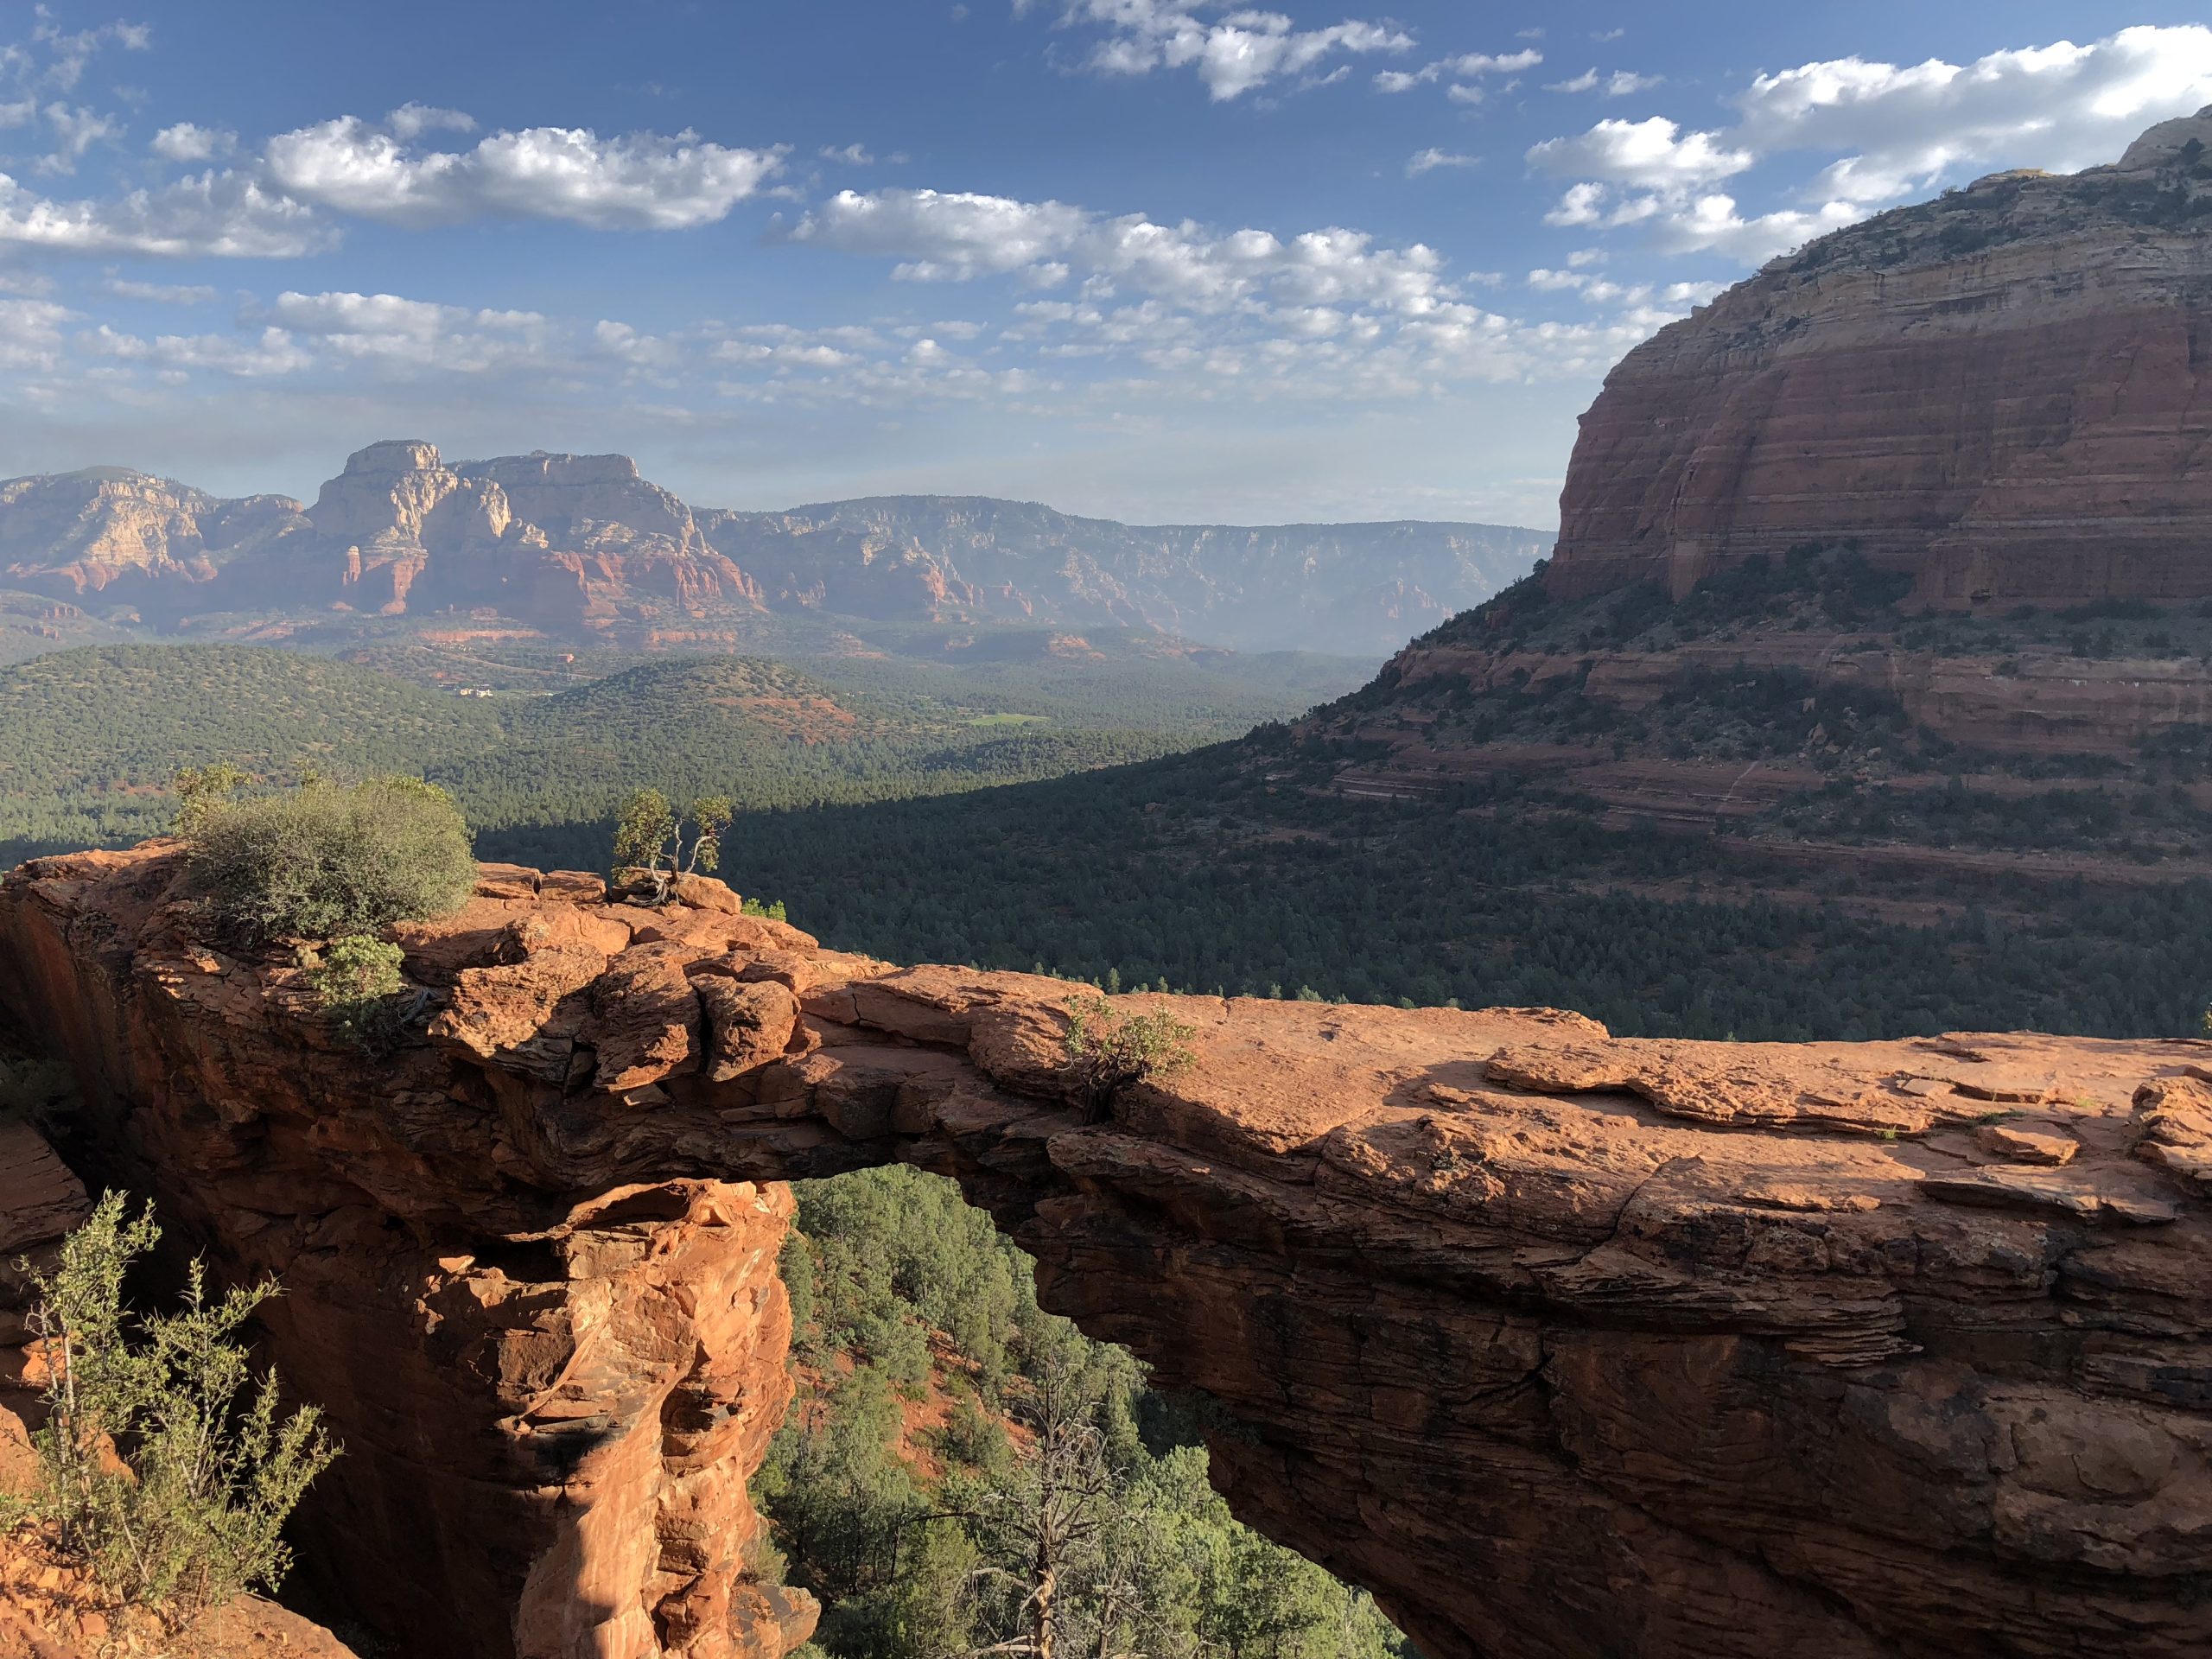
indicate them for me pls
(94, 736)
(891, 816)
(1235, 869)
(951, 1442)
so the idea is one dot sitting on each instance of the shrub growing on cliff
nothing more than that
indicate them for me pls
(651, 838)
(356, 978)
(1108, 1049)
(325, 860)
(154, 1465)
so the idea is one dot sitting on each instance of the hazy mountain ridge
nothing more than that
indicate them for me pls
(1320, 587)
(583, 547)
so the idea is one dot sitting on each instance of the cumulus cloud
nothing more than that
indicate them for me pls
(2061, 107)
(227, 214)
(1328, 312)
(637, 181)
(337, 333)
(270, 352)
(395, 332)
(1468, 66)
(944, 234)
(627, 345)
(189, 142)
(1887, 132)
(1652, 155)
(411, 120)
(938, 236)
(1427, 160)
(31, 333)
(1243, 50)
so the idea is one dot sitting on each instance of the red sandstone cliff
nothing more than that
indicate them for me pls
(1563, 1344)
(2004, 391)
(582, 545)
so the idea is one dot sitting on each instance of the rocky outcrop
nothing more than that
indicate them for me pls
(127, 536)
(2002, 391)
(1561, 1344)
(582, 545)
(1336, 587)
(51, 1607)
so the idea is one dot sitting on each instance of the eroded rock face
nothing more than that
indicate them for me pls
(581, 545)
(123, 535)
(1564, 1344)
(2002, 391)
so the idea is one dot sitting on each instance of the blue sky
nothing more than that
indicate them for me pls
(1154, 259)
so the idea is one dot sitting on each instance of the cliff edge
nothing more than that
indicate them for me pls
(1559, 1343)
(2003, 391)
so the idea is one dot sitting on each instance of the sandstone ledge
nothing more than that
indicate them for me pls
(1562, 1344)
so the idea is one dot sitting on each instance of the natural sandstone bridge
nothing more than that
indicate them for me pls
(1563, 1345)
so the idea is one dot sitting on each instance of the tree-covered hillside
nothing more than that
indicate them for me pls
(951, 1442)
(92, 738)
(1238, 868)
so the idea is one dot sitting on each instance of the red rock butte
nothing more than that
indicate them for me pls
(2004, 391)
(1561, 1344)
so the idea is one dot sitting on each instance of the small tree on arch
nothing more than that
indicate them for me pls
(654, 838)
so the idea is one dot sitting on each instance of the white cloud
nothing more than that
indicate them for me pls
(851, 155)
(1328, 313)
(1887, 132)
(1427, 160)
(1619, 84)
(225, 214)
(1243, 50)
(31, 333)
(1467, 66)
(940, 237)
(188, 142)
(160, 293)
(1711, 222)
(957, 234)
(639, 182)
(69, 53)
(411, 120)
(396, 331)
(75, 131)
(269, 353)
(2061, 107)
(1652, 155)
(642, 351)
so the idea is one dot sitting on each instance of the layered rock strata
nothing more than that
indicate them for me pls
(582, 545)
(1563, 1344)
(2002, 391)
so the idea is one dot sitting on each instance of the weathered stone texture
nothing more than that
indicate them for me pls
(1563, 1344)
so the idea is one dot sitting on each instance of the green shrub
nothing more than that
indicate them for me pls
(193, 1511)
(649, 841)
(324, 860)
(1108, 1049)
(357, 978)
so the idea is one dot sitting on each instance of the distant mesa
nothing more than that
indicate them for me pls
(583, 547)
(2003, 391)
